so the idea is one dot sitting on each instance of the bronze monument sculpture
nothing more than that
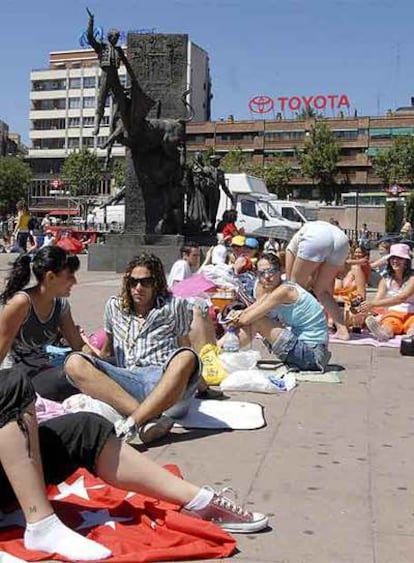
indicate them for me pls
(155, 147)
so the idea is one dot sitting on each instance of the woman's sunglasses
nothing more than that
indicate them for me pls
(268, 272)
(144, 282)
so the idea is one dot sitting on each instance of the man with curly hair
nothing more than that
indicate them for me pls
(155, 371)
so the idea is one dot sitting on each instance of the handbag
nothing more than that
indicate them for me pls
(407, 346)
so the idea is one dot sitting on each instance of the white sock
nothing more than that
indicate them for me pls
(201, 500)
(52, 536)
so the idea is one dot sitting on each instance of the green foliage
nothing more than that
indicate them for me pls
(319, 159)
(82, 172)
(15, 175)
(276, 175)
(409, 209)
(308, 113)
(387, 166)
(234, 161)
(119, 173)
(393, 216)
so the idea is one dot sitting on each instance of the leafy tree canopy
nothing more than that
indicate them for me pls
(82, 172)
(15, 176)
(319, 159)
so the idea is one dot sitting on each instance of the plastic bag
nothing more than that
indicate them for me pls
(213, 372)
(232, 361)
(82, 403)
(254, 380)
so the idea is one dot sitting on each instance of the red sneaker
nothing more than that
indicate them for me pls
(228, 515)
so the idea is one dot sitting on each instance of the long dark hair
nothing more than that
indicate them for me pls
(154, 265)
(389, 271)
(48, 259)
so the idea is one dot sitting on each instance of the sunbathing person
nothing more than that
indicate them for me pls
(32, 455)
(304, 346)
(396, 295)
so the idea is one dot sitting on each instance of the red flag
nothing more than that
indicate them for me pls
(135, 527)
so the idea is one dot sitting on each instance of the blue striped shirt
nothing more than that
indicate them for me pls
(148, 343)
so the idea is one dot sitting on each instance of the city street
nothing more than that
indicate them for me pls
(333, 467)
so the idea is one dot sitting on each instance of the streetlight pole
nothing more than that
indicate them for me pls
(356, 212)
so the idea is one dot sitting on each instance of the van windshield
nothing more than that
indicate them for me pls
(271, 211)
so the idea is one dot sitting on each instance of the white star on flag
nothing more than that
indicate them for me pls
(92, 518)
(77, 488)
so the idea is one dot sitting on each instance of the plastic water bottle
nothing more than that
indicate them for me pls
(231, 342)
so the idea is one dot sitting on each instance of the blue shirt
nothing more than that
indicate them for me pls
(305, 317)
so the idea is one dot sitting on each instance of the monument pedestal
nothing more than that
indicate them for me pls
(120, 248)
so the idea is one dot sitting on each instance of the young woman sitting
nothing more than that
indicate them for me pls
(396, 295)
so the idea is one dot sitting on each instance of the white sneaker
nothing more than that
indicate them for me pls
(155, 429)
(376, 329)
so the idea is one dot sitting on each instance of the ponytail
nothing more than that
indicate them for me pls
(18, 278)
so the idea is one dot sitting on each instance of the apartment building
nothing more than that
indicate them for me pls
(359, 139)
(63, 102)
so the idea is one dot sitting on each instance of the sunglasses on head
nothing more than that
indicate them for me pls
(268, 272)
(144, 282)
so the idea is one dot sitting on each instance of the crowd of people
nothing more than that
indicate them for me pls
(149, 364)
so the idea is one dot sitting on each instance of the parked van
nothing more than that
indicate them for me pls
(255, 205)
(296, 211)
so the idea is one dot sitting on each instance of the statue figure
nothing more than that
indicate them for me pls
(214, 181)
(156, 146)
(197, 216)
(110, 58)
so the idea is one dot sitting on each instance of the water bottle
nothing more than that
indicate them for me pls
(231, 342)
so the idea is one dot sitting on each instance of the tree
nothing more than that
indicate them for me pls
(82, 173)
(409, 209)
(234, 161)
(15, 176)
(319, 160)
(404, 149)
(308, 113)
(277, 177)
(387, 166)
(119, 173)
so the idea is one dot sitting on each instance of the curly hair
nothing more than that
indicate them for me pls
(154, 265)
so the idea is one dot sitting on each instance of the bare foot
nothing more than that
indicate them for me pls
(341, 334)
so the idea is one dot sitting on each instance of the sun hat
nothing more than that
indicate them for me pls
(238, 240)
(400, 250)
(252, 242)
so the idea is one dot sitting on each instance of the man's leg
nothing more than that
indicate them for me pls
(97, 384)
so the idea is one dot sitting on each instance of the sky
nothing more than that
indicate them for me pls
(359, 48)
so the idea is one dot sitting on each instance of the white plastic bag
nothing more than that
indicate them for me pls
(234, 361)
(82, 403)
(254, 380)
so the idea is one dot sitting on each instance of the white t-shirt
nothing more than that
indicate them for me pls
(180, 271)
(219, 254)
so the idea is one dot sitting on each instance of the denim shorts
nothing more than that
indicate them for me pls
(140, 381)
(301, 355)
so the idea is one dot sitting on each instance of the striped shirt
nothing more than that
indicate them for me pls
(152, 342)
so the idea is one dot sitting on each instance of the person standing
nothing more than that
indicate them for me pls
(21, 230)
(314, 257)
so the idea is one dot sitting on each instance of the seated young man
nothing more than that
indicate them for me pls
(304, 346)
(60, 446)
(156, 370)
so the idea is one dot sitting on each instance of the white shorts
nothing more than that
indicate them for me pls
(318, 241)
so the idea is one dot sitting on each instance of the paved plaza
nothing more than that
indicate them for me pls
(333, 467)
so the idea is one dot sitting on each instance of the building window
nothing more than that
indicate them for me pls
(74, 83)
(41, 105)
(101, 141)
(89, 102)
(47, 85)
(88, 141)
(73, 122)
(89, 82)
(73, 142)
(74, 103)
(45, 124)
(88, 121)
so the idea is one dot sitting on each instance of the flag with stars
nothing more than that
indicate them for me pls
(135, 527)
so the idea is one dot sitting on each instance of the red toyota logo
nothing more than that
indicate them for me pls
(261, 104)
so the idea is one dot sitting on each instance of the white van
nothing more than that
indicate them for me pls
(254, 204)
(299, 212)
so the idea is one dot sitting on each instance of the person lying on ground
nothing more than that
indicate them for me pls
(156, 369)
(396, 295)
(314, 256)
(302, 341)
(32, 455)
